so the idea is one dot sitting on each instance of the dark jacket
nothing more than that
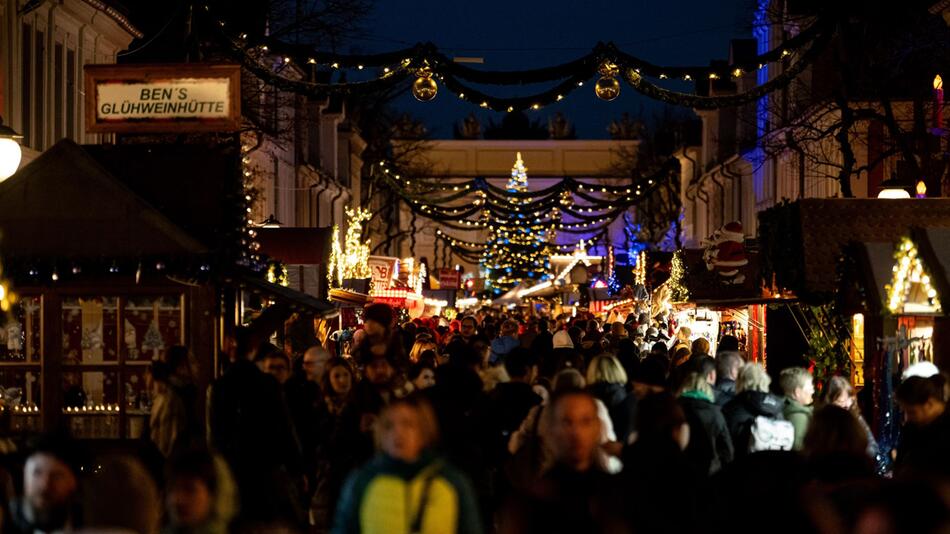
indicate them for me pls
(741, 412)
(923, 449)
(567, 501)
(621, 405)
(725, 390)
(654, 469)
(250, 426)
(710, 446)
(508, 405)
(250, 422)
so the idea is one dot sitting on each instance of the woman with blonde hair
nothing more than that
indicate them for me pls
(607, 382)
(406, 487)
(422, 344)
(752, 400)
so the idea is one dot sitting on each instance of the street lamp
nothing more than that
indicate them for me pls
(893, 188)
(10, 152)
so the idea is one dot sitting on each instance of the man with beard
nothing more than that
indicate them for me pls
(50, 487)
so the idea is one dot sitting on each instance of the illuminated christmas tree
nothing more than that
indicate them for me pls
(520, 243)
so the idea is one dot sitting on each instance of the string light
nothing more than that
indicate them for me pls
(909, 274)
(350, 260)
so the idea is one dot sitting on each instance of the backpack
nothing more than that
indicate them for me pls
(769, 434)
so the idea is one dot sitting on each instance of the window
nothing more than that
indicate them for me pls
(58, 121)
(71, 94)
(108, 346)
(21, 358)
(39, 117)
(26, 87)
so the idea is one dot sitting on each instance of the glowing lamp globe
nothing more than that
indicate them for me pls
(10, 152)
(893, 188)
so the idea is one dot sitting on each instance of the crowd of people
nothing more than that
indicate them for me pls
(498, 423)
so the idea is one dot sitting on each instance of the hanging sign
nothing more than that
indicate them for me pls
(449, 279)
(382, 269)
(191, 97)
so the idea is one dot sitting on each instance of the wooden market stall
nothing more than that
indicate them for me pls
(117, 253)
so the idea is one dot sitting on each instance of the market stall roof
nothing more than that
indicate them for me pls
(67, 204)
(296, 246)
(295, 300)
(873, 264)
(511, 297)
(801, 242)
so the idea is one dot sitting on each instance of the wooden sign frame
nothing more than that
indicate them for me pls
(95, 75)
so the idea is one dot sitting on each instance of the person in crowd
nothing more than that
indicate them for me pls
(50, 501)
(838, 391)
(304, 397)
(314, 363)
(422, 344)
(510, 402)
(628, 355)
(406, 488)
(468, 328)
(835, 446)
(727, 369)
(679, 367)
(379, 340)
(201, 496)
(699, 347)
(655, 467)
(607, 381)
(505, 343)
(277, 364)
(168, 420)
(527, 332)
(925, 437)
(752, 400)
(335, 454)
(422, 374)
(250, 426)
(181, 366)
(574, 494)
(530, 443)
(543, 342)
(727, 343)
(799, 389)
(710, 446)
(123, 497)
(562, 354)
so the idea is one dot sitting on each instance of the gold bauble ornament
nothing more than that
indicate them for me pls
(607, 88)
(424, 88)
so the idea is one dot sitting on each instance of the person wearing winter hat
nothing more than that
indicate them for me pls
(563, 355)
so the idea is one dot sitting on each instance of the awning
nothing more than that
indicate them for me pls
(293, 299)
(296, 246)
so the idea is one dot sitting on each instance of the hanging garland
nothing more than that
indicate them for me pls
(267, 58)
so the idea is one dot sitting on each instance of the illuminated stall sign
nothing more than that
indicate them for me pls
(162, 98)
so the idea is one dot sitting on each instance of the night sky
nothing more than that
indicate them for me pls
(518, 34)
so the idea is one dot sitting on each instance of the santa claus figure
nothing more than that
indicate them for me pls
(725, 253)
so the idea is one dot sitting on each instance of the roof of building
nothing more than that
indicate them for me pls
(802, 242)
(67, 204)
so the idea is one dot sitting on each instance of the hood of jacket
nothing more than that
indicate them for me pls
(759, 403)
(609, 394)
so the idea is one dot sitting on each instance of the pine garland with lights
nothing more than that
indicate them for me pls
(267, 58)
(515, 251)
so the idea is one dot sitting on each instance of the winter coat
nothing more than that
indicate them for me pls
(923, 449)
(168, 422)
(800, 417)
(386, 495)
(564, 500)
(725, 390)
(501, 346)
(741, 412)
(710, 446)
(508, 405)
(621, 404)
